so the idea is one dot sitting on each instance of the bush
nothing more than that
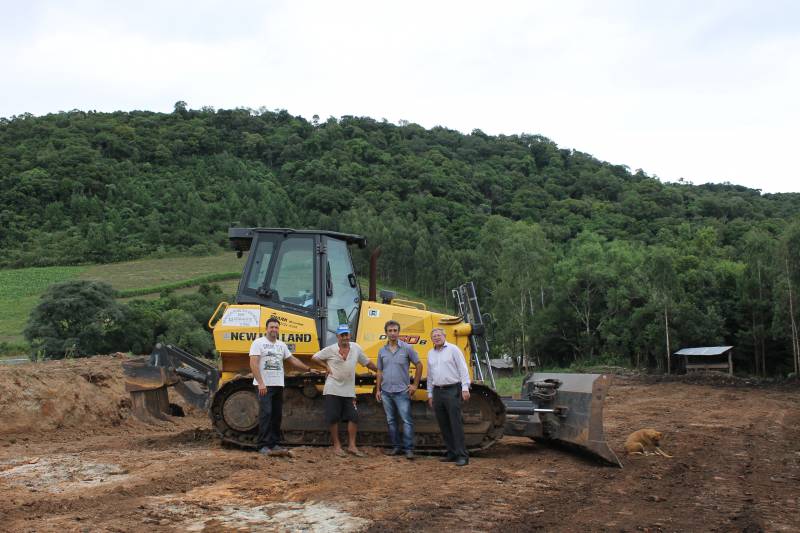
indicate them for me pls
(14, 348)
(79, 318)
(181, 329)
(142, 319)
(76, 318)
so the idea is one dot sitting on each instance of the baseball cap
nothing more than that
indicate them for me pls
(343, 328)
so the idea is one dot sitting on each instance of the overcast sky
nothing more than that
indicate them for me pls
(699, 90)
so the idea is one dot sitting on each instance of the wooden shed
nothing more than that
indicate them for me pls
(502, 367)
(718, 358)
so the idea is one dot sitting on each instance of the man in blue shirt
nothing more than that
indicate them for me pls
(394, 390)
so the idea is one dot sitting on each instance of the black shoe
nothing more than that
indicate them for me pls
(447, 459)
(409, 455)
(462, 461)
(394, 451)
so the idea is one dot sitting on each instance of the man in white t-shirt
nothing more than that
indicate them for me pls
(267, 355)
(340, 387)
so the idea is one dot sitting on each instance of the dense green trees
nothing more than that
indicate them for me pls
(575, 258)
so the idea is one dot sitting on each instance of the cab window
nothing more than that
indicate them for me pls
(344, 295)
(293, 276)
(258, 270)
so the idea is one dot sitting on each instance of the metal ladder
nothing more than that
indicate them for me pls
(467, 301)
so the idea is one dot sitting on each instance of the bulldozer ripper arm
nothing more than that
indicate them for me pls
(148, 381)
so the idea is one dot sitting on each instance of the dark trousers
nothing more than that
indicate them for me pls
(270, 413)
(447, 406)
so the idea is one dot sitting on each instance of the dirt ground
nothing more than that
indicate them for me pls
(72, 459)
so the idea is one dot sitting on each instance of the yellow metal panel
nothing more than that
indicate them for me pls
(415, 329)
(411, 324)
(242, 324)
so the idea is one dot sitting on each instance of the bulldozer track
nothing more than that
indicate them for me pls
(234, 415)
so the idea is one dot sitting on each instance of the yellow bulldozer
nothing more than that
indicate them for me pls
(306, 280)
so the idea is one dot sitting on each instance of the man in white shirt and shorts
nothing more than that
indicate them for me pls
(340, 387)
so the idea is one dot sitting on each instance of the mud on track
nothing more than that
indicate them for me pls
(72, 459)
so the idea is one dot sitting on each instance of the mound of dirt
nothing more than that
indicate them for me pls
(718, 379)
(52, 395)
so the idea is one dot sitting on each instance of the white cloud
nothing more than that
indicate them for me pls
(701, 91)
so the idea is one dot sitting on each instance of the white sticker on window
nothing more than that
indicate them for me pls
(374, 312)
(249, 318)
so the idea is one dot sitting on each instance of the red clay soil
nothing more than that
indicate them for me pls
(72, 459)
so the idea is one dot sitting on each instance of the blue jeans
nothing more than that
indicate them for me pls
(397, 406)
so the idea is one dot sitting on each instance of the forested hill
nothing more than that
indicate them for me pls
(575, 257)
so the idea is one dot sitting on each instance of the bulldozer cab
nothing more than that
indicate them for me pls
(306, 273)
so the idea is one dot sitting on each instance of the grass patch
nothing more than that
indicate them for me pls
(14, 316)
(228, 288)
(151, 273)
(19, 293)
(22, 282)
(512, 385)
(14, 350)
(20, 289)
(130, 293)
(509, 386)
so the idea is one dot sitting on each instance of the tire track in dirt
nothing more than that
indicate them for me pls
(772, 468)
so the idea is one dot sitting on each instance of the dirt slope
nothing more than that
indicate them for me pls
(88, 467)
(73, 397)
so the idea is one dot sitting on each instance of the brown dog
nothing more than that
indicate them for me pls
(645, 442)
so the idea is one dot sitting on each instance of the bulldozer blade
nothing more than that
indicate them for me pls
(194, 394)
(573, 416)
(147, 405)
(148, 386)
(140, 375)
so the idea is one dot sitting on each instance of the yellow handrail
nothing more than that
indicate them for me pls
(214, 314)
(409, 303)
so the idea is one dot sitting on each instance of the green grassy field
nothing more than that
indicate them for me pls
(19, 293)
(228, 287)
(153, 272)
(20, 289)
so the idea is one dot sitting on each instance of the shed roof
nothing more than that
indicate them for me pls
(501, 363)
(705, 350)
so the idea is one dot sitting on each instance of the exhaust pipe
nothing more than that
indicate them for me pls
(373, 274)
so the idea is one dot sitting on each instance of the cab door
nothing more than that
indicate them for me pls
(341, 294)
